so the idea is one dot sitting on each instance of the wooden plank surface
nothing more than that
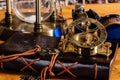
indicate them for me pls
(102, 10)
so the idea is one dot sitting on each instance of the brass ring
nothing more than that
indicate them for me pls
(80, 39)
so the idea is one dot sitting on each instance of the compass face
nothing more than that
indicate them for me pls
(87, 33)
(25, 9)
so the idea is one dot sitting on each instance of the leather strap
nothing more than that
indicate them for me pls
(15, 56)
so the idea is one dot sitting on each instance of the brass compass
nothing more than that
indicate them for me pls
(86, 36)
(90, 33)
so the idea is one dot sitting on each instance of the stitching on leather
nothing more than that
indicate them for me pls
(66, 69)
(49, 68)
(95, 71)
(71, 66)
(15, 56)
(28, 65)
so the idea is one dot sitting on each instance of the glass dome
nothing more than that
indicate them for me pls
(25, 9)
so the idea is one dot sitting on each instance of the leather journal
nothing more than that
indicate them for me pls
(29, 53)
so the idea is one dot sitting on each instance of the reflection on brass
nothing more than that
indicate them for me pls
(91, 33)
(90, 38)
(104, 49)
(69, 48)
(94, 50)
(79, 51)
(28, 28)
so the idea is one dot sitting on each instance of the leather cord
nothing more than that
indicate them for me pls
(66, 69)
(45, 69)
(15, 56)
(71, 66)
(28, 65)
(8, 58)
(48, 68)
(95, 71)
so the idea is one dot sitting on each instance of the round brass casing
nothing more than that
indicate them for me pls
(91, 33)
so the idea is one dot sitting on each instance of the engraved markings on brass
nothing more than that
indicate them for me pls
(104, 49)
(86, 34)
(90, 33)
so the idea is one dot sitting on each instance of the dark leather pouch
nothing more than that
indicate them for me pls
(21, 42)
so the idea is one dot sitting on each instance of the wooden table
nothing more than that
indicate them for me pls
(102, 10)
